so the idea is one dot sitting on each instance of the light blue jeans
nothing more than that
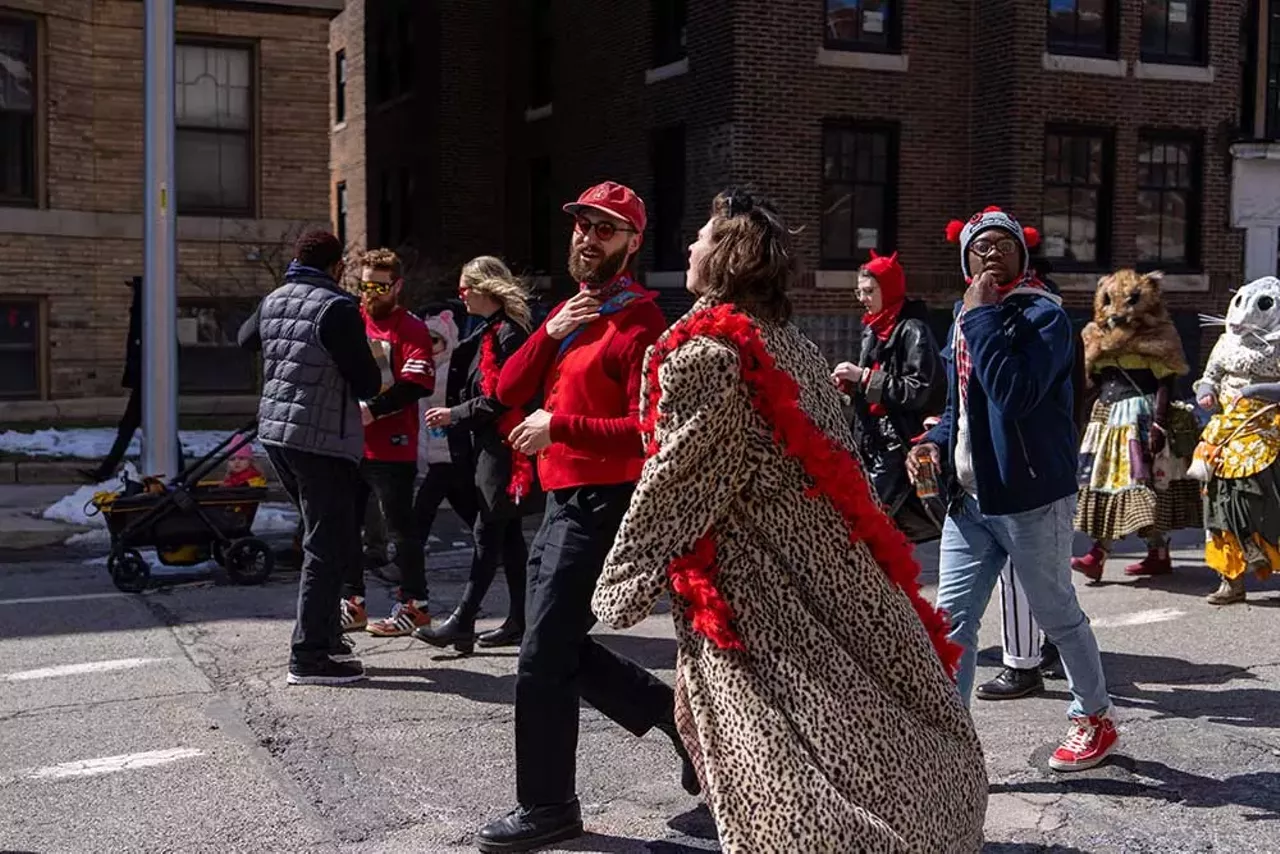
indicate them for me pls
(974, 549)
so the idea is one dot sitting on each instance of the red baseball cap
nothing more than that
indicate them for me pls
(614, 199)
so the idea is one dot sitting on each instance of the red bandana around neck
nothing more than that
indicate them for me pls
(832, 469)
(609, 289)
(883, 321)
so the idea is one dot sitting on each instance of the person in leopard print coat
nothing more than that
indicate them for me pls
(813, 690)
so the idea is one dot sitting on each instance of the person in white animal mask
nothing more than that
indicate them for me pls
(1239, 447)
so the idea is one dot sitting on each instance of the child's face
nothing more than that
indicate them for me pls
(238, 465)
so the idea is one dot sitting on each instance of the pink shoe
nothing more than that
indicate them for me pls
(1156, 562)
(1090, 566)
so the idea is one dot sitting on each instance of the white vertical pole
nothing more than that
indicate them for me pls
(159, 283)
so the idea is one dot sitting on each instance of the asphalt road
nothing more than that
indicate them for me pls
(162, 722)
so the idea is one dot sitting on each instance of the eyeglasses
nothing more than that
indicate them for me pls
(604, 229)
(1005, 246)
(379, 288)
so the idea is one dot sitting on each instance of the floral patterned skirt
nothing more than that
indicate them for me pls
(1123, 488)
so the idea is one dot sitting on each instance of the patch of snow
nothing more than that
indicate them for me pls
(92, 443)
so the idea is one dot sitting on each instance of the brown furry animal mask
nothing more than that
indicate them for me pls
(1130, 318)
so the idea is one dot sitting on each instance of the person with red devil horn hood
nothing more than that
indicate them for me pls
(896, 383)
(1007, 444)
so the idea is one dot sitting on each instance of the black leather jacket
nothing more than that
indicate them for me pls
(910, 383)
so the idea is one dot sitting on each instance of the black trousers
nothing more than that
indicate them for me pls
(321, 487)
(559, 663)
(445, 480)
(391, 483)
(130, 421)
(499, 538)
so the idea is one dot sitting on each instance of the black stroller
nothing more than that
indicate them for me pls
(187, 521)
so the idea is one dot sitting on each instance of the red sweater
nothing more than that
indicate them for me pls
(592, 391)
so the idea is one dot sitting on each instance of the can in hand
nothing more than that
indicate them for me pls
(926, 478)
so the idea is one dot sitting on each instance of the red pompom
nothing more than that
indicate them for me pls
(1032, 236)
(953, 231)
(992, 209)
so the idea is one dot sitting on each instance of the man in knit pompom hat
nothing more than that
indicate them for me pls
(1007, 444)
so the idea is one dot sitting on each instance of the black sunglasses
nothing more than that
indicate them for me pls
(604, 229)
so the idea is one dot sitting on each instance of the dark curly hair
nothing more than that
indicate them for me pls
(319, 249)
(752, 260)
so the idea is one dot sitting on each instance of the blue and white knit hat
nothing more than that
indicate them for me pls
(991, 217)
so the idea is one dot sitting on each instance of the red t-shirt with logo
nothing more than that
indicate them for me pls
(401, 345)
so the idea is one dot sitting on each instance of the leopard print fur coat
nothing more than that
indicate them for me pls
(836, 729)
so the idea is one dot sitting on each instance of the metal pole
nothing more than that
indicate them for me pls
(159, 284)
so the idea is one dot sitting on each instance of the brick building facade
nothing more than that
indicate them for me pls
(252, 169)
(1109, 124)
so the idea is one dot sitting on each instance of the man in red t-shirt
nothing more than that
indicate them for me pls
(586, 361)
(402, 347)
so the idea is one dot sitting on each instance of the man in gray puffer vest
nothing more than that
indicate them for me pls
(316, 367)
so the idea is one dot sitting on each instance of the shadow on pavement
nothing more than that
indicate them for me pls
(649, 652)
(1025, 848)
(480, 687)
(1259, 791)
(1243, 707)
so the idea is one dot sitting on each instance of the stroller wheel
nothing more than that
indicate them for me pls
(129, 572)
(249, 561)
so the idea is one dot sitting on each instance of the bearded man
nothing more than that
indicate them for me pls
(586, 360)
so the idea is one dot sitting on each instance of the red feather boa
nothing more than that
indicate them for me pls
(833, 470)
(521, 483)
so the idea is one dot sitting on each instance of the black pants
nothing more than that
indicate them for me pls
(499, 537)
(391, 483)
(445, 480)
(130, 421)
(321, 487)
(558, 662)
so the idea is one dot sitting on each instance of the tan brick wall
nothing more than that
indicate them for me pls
(347, 149)
(91, 76)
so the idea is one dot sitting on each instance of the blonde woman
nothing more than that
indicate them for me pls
(478, 426)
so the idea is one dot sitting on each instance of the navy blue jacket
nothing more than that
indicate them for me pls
(1021, 431)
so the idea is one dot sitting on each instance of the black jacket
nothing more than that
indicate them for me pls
(910, 383)
(474, 437)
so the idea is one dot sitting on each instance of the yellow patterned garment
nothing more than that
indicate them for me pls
(1223, 554)
(1134, 362)
(1254, 447)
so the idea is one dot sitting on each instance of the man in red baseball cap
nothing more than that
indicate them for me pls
(586, 361)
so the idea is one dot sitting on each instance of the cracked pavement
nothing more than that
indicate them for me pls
(198, 745)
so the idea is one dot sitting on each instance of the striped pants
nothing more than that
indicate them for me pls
(1021, 633)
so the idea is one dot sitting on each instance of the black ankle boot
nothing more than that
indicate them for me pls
(688, 774)
(531, 828)
(458, 630)
(509, 633)
(1012, 684)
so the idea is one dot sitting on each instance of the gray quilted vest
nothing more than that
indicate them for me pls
(306, 403)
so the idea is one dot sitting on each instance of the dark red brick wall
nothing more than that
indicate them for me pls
(972, 111)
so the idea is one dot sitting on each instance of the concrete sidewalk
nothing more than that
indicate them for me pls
(21, 527)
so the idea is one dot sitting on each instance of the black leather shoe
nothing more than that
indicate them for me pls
(457, 631)
(508, 634)
(1051, 662)
(1011, 684)
(688, 774)
(531, 828)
